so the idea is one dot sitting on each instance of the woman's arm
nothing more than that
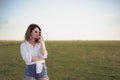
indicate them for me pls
(36, 59)
(42, 46)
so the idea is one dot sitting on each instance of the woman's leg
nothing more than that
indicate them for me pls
(43, 79)
(29, 78)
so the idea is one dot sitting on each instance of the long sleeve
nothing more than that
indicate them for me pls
(25, 53)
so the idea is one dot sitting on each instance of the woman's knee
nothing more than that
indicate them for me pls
(43, 79)
(29, 78)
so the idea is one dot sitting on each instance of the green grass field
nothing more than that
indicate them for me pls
(67, 60)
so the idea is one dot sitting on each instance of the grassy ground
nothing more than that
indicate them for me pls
(67, 60)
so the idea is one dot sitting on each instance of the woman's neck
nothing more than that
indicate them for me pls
(32, 42)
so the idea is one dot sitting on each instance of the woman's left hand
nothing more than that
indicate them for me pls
(41, 39)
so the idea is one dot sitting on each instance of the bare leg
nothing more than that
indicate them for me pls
(43, 79)
(30, 78)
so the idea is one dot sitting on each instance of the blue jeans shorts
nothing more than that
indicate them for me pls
(30, 72)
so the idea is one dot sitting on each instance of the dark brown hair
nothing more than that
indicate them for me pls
(31, 27)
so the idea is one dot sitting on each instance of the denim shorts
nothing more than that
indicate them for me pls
(30, 72)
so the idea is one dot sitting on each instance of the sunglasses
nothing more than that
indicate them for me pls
(38, 32)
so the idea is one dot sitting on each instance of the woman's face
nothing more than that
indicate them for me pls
(35, 33)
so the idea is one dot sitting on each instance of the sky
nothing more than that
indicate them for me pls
(61, 19)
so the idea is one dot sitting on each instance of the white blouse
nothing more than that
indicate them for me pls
(28, 50)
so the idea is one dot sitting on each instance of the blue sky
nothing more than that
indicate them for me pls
(61, 19)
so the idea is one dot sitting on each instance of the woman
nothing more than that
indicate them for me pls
(34, 53)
